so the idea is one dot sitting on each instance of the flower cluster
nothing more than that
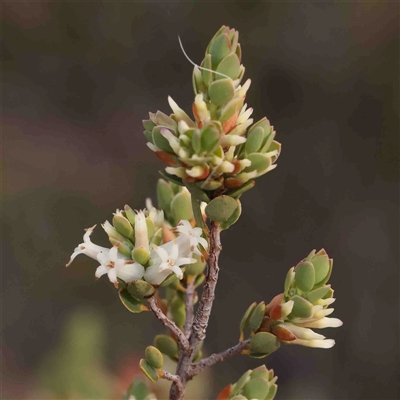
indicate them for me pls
(140, 249)
(214, 151)
(258, 383)
(304, 303)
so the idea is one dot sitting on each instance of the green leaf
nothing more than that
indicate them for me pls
(257, 316)
(207, 75)
(259, 162)
(262, 344)
(196, 268)
(304, 276)
(132, 304)
(178, 312)
(219, 48)
(321, 265)
(197, 193)
(272, 391)
(208, 184)
(181, 207)
(198, 217)
(167, 345)
(171, 178)
(233, 218)
(241, 382)
(256, 389)
(301, 308)
(244, 323)
(289, 280)
(210, 136)
(254, 140)
(229, 66)
(141, 289)
(164, 195)
(317, 294)
(148, 370)
(221, 91)
(160, 141)
(221, 208)
(154, 357)
(236, 193)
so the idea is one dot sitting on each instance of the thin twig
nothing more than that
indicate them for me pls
(187, 328)
(203, 313)
(217, 357)
(168, 323)
(174, 378)
(200, 322)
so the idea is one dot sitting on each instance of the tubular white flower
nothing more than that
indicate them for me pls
(244, 115)
(321, 344)
(323, 323)
(166, 259)
(286, 308)
(172, 140)
(115, 266)
(87, 247)
(303, 333)
(193, 234)
(141, 236)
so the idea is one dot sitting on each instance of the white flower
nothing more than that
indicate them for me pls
(115, 266)
(322, 344)
(166, 259)
(193, 234)
(87, 247)
(141, 235)
(323, 323)
(303, 333)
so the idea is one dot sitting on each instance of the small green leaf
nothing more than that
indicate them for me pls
(167, 345)
(221, 92)
(229, 66)
(148, 370)
(178, 312)
(196, 268)
(164, 195)
(241, 382)
(233, 218)
(244, 323)
(254, 140)
(181, 207)
(197, 193)
(171, 178)
(262, 344)
(132, 304)
(321, 265)
(198, 217)
(221, 208)
(236, 193)
(317, 294)
(256, 389)
(141, 289)
(304, 276)
(208, 184)
(259, 162)
(154, 357)
(272, 392)
(210, 136)
(257, 316)
(160, 141)
(207, 75)
(301, 308)
(219, 48)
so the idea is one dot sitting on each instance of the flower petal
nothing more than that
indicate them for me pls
(100, 271)
(129, 271)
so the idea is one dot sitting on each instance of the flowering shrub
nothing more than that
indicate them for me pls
(158, 257)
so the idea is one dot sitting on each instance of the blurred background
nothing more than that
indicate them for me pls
(78, 78)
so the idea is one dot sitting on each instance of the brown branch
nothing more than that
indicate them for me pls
(217, 357)
(202, 317)
(173, 378)
(168, 323)
(187, 328)
(207, 298)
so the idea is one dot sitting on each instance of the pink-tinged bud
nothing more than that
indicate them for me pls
(277, 300)
(283, 334)
(168, 159)
(276, 312)
(228, 125)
